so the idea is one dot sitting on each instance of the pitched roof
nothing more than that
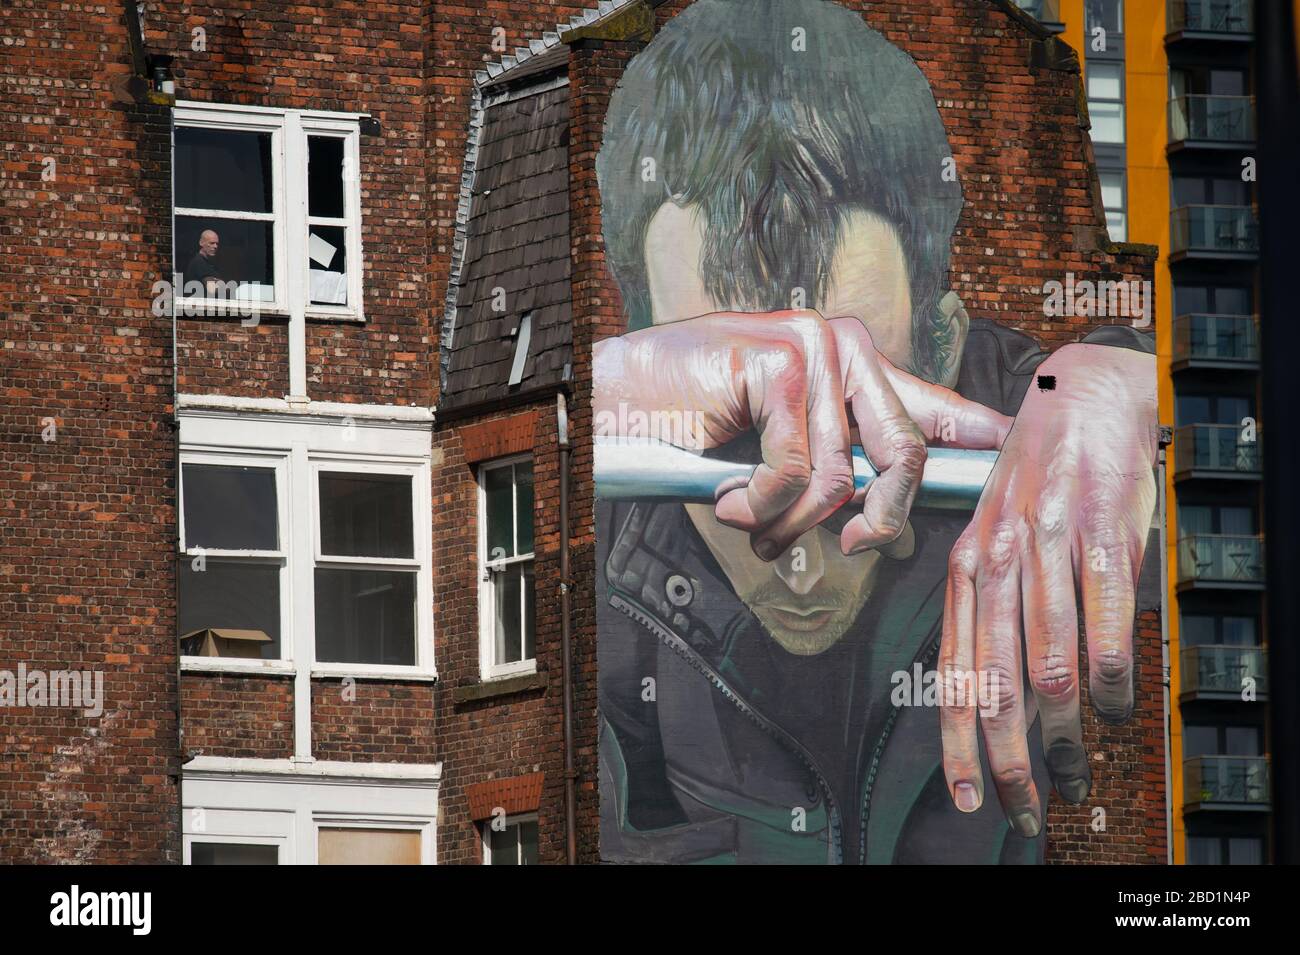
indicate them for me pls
(516, 254)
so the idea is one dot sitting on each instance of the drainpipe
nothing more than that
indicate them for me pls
(570, 775)
(1163, 517)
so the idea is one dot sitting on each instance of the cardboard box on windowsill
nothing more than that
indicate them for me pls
(224, 642)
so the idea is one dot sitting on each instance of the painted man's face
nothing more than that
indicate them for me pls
(809, 596)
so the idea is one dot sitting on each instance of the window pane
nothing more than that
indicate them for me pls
(1239, 631)
(1104, 81)
(504, 845)
(366, 515)
(1197, 630)
(509, 639)
(230, 595)
(327, 247)
(325, 176)
(365, 616)
(232, 853)
(221, 169)
(530, 601)
(499, 492)
(1245, 851)
(1200, 741)
(1117, 226)
(367, 847)
(528, 843)
(1203, 851)
(237, 254)
(1107, 122)
(1112, 189)
(1242, 740)
(524, 506)
(230, 508)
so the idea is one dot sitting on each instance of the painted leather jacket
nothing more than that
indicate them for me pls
(713, 749)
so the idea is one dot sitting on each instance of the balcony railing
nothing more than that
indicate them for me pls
(1221, 559)
(1212, 119)
(1230, 780)
(1216, 338)
(1213, 229)
(1232, 17)
(1225, 671)
(1046, 12)
(1215, 447)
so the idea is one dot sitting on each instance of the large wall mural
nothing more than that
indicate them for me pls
(845, 532)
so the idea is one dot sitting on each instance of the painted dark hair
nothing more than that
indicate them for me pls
(776, 146)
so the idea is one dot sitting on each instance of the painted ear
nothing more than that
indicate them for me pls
(955, 323)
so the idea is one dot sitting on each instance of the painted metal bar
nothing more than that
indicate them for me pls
(628, 469)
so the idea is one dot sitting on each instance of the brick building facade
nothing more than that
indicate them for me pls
(364, 399)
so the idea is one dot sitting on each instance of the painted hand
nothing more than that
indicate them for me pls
(806, 385)
(1069, 501)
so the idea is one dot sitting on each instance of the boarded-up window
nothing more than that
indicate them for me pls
(338, 846)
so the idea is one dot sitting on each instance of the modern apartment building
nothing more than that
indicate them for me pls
(1170, 95)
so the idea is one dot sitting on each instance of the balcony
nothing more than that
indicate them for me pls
(1213, 232)
(1221, 672)
(1046, 12)
(1215, 451)
(1216, 20)
(1231, 783)
(1230, 342)
(1221, 562)
(1211, 122)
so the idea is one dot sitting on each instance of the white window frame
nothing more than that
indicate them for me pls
(1121, 100)
(420, 563)
(301, 445)
(510, 821)
(488, 667)
(266, 801)
(278, 464)
(289, 131)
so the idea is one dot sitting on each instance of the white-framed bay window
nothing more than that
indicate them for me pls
(271, 812)
(266, 211)
(306, 538)
(506, 578)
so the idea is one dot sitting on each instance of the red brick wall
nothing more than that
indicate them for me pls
(248, 717)
(351, 57)
(507, 735)
(86, 519)
(373, 721)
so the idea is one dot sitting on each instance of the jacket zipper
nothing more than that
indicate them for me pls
(923, 656)
(633, 609)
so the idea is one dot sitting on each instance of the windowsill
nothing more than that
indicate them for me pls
(335, 317)
(397, 674)
(499, 686)
(237, 665)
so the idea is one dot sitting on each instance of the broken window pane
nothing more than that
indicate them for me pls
(230, 595)
(238, 254)
(232, 853)
(229, 507)
(366, 515)
(327, 250)
(365, 616)
(223, 169)
(325, 176)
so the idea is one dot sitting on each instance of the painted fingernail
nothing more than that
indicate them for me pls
(1073, 790)
(766, 549)
(1025, 823)
(967, 797)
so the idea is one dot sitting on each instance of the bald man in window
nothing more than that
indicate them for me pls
(202, 268)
